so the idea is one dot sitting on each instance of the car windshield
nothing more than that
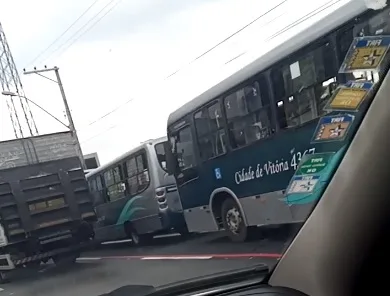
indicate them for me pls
(210, 162)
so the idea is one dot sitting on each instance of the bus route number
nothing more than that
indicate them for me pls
(296, 157)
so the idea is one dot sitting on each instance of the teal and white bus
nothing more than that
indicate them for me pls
(234, 149)
(134, 197)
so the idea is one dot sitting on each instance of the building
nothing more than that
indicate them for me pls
(91, 162)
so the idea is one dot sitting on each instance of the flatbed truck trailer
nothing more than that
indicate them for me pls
(46, 212)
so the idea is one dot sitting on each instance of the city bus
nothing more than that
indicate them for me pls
(135, 198)
(234, 149)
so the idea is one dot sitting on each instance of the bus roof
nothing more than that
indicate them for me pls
(325, 25)
(125, 155)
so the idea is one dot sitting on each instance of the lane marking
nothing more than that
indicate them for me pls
(177, 258)
(188, 257)
(129, 240)
(89, 258)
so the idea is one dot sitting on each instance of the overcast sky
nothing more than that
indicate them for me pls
(127, 55)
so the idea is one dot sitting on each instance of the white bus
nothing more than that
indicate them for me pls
(134, 197)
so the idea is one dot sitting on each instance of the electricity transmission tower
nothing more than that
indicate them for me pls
(18, 106)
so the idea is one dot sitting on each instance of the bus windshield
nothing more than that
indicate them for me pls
(161, 157)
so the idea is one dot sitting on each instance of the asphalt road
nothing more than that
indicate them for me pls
(167, 260)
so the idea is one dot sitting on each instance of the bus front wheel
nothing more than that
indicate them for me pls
(233, 221)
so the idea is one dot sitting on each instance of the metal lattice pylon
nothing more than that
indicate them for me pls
(10, 82)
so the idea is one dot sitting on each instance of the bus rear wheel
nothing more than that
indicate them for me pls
(233, 221)
(137, 239)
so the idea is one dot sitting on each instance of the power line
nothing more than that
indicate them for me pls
(304, 18)
(293, 24)
(63, 33)
(229, 37)
(108, 113)
(99, 134)
(86, 31)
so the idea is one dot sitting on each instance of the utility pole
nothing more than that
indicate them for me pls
(71, 126)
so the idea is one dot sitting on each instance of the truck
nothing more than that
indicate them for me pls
(46, 210)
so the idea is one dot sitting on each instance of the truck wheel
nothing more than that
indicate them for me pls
(66, 259)
(4, 277)
(233, 221)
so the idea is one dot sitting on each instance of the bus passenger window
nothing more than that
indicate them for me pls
(305, 82)
(137, 174)
(108, 178)
(115, 186)
(100, 188)
(210, 131)
(92, 185)
(96, 194)
(132, 180)
(248, 116)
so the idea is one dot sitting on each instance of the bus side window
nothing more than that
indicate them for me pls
(92, 185)
(248, 115)
(306, 82)
(97, 195)
(115, 188)
(131, 166)
(137, 174)
(100, 188)
(210, 131)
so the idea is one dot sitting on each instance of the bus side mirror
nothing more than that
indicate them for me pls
(170, 159)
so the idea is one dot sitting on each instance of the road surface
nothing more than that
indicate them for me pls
(167, 260)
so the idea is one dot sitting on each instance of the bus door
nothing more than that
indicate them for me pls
(114, 191)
